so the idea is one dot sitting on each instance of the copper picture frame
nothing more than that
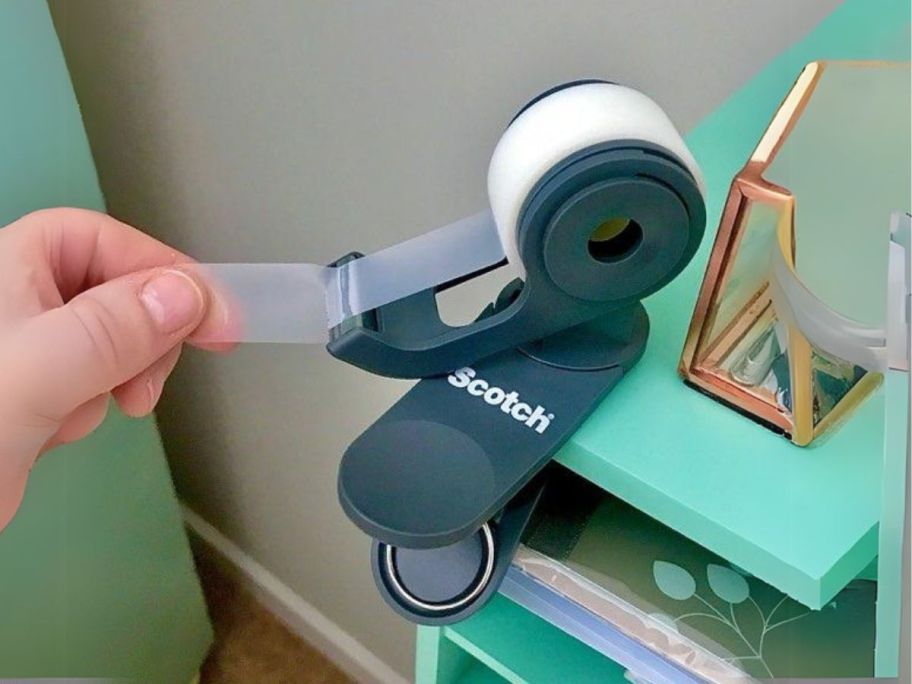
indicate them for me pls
(730, 323)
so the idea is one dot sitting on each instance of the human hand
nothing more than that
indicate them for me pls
(89, 308)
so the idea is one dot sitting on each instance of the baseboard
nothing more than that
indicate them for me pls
(351, 656)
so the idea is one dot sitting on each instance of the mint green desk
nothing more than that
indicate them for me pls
(803, 519)
(96, 578)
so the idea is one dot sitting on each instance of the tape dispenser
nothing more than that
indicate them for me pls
(596, 203)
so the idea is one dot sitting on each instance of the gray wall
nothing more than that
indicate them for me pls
(275, 131)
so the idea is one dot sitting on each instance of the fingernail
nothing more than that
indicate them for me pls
(173, 300)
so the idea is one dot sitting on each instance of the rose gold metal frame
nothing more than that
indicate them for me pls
(700, 356)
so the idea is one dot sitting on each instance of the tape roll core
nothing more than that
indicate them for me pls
(659, 201)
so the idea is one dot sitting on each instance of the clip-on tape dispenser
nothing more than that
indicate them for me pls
(597, 203)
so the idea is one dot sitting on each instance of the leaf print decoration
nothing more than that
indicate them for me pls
(674, 581)
(727, 584)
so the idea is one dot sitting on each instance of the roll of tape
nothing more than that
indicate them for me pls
(561, 124)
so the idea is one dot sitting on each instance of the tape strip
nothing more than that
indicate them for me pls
(299, 303)
(874, 349)
(824, 327)
(271, 302)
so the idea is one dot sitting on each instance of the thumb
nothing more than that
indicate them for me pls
(66, 356)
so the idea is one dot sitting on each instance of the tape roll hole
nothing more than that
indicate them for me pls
(614, 239)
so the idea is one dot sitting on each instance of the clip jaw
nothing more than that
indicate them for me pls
(447, 584)
(442, 480)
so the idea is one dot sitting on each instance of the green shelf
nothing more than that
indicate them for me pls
(803, 519)
(505, 642)
(477, 673)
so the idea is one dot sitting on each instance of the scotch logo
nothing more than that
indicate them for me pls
(509, 402)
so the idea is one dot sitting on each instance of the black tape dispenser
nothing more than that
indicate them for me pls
(597, 203)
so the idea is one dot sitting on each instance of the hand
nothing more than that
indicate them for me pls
(89, 308)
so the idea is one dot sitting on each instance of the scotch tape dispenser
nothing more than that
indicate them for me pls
(596, 203)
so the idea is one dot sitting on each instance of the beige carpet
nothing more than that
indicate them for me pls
(251, 645)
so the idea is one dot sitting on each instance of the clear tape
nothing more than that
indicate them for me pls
(872, 348)
(825, 328)
(299, 303)
(270, 302)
